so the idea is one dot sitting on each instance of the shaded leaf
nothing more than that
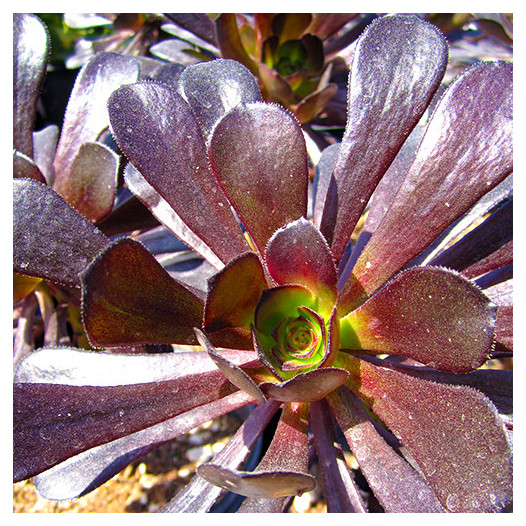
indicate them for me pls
(290, 26)
(128, 298)
(213, 88)
(397, 66)
(453, 433)
(30, 54)
(298, 254)
(258, 154)
(396, 485)
(93, 181)
(44, 145)
(340, 491)
(51, 240)
(430, 314)
(146, 114)
(311, 106)
(86, 114)
(473, 122)
(24, 167)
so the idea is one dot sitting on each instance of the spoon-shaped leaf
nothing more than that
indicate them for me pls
(157, 131)
(397, 66)
(51, 240)
(258, 154)
(213, 88)
(430, 314)
(453, 433)
(466, 151)
(128, 298)
(298, 254)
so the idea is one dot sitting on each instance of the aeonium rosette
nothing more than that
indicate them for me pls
(287, 318)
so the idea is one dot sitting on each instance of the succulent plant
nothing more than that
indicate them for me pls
(377, 343)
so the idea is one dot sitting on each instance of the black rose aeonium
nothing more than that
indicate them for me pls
(384, 344)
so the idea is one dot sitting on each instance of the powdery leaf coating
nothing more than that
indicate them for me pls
(159, 134)
(51, 240)
(397, 66)
(128, 298)
(298, 254)
(466, 151)
(430, 314)
(453, 433)
(258, 154)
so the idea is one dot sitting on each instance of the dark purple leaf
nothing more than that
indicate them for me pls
(502, 257)
(473, 122)
(501, 293)
(24, 341)
(86, 471)
(44, 145)
(310, 107)
(213, 88)
(258, 154)
(51, 239)
(429, 314)
(298, 254)
(25, 168)
(234, 292)
(86, 114)
(322, 179)
(254, 505)
(494, 277)
(397, 66)
(30, 54)
(128, 298)
(340, 492)
(283, 470)
(454, 433)
(504, 327)
(306, 387)
(199, 495)
(200, 24)
(480, 242)
(396, 485)
(290, 26)
(158, 132)
(93, 181)
(53, 422)
(235, 374)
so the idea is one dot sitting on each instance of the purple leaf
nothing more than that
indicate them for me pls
(502, 257)
(340, 492)
(397, 66)
(472, 123)
(53, 422)
(93, 181)
(235, 374)
(258, 154)
(322, 179)
(429, 314)
(30, 54)
(44, 145)
(213, 88)
(282, 471)
(86, 114)
(453, 433)
(157, 131)
(25, 168)
(396, 485)
(234, 292)
(199, 495)
(306, 387)
(128, 298)
(504, 327)
(51, 240)
(480, 242)
(84, 472)
(298, 254)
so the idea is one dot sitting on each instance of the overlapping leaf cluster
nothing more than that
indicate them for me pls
(383, 340)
